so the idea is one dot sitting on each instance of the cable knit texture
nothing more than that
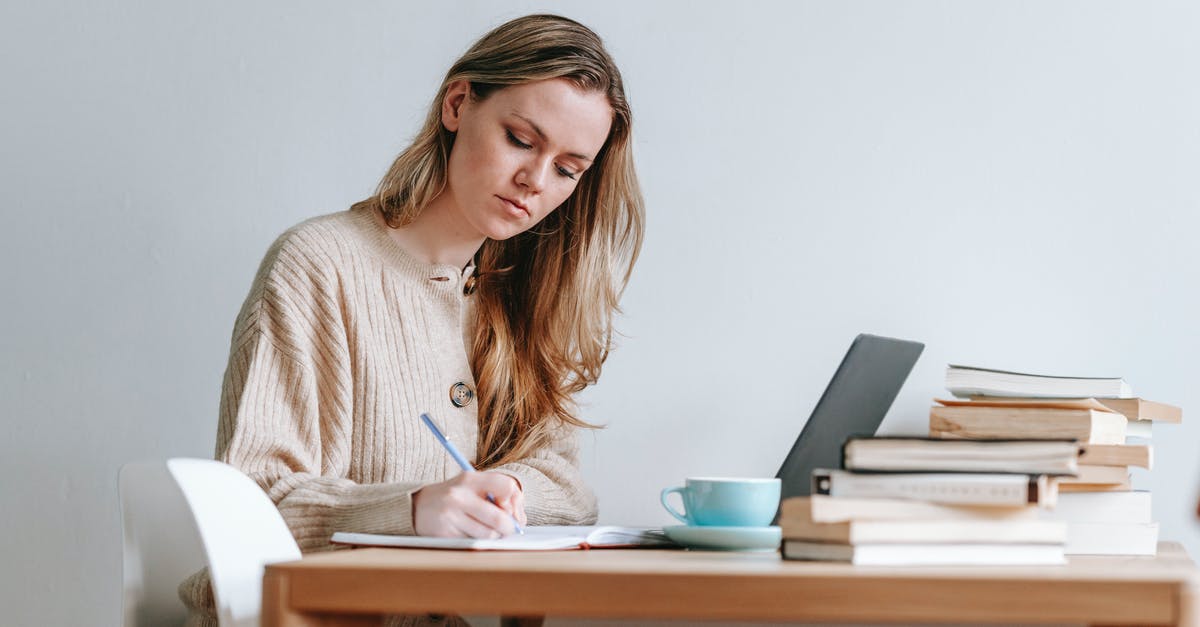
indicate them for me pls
(342, 342)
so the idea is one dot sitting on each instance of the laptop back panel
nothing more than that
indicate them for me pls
(854, 403)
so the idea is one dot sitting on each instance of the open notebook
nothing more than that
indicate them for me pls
(546, 538)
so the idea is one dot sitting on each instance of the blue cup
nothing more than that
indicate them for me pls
(724, 502)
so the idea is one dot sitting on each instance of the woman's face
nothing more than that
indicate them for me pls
(519, 153)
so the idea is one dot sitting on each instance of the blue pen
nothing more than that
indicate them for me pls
(462, 461)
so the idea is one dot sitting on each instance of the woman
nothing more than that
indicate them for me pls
(478, 284)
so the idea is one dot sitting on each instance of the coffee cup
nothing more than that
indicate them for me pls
(725, 502)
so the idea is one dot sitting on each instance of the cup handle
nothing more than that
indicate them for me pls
(671, 510)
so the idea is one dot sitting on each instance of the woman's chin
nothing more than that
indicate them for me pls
(501, 232)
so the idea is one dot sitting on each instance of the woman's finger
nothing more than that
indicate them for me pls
(471, 528)
(497, 484)
(490, 515)
(518, 508)
(515, 505)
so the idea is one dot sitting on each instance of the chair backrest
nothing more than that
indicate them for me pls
(239, 529)
(161, 545)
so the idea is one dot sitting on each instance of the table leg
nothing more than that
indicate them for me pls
(1189, 614)
(277, 613)
(275, 610)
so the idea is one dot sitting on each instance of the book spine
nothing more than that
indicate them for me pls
(933, 487)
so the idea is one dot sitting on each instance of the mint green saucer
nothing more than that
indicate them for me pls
(725, 538)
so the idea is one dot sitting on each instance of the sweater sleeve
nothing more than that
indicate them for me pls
(555, 493)
(285, 414)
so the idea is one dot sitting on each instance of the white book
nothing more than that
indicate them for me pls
(1098, 538)
(543, 538)
(859, 532)
(967, 381)
(914, 454)
(927, 554)
(1102, 507)
(1139, 430)
(993, 489)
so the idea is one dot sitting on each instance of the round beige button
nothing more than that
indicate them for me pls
(461, 394)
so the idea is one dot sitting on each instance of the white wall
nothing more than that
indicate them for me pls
(1015, 184)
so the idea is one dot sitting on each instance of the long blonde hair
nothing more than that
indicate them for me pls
(546, 297)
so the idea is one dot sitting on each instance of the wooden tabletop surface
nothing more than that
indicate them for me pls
(729, 585)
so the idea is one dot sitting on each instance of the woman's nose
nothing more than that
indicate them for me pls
(533, 176)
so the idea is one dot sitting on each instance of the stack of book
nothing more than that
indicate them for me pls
(1104, 514)
(923, 501)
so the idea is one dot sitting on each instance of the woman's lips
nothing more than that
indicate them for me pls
(514, 208)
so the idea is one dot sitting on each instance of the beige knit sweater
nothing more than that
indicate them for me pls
(342, 342)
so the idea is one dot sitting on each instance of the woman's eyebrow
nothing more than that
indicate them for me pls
(537, 129)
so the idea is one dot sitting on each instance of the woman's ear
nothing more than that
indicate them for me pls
(452, 105)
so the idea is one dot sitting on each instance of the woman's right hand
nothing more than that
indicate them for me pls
(458, 507)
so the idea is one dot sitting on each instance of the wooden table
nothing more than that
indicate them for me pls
(336, 587)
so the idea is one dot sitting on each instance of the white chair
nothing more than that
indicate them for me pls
(182, 514)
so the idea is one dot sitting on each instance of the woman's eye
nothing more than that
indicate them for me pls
(512, 139)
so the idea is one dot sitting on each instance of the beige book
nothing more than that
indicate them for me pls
(1140, 455)
(1038, 423)
(828, 509)
(1124, 486)
(1025, 403)
(1131, 408)
(1098, 474)
(1134, 428)
(927, 531)
(1142, 409)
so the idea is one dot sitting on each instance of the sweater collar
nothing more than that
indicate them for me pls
(376, 237)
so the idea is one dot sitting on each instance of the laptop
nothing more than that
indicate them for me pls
(854, 403)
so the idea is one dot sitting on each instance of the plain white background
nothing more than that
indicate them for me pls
(1013, 183)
